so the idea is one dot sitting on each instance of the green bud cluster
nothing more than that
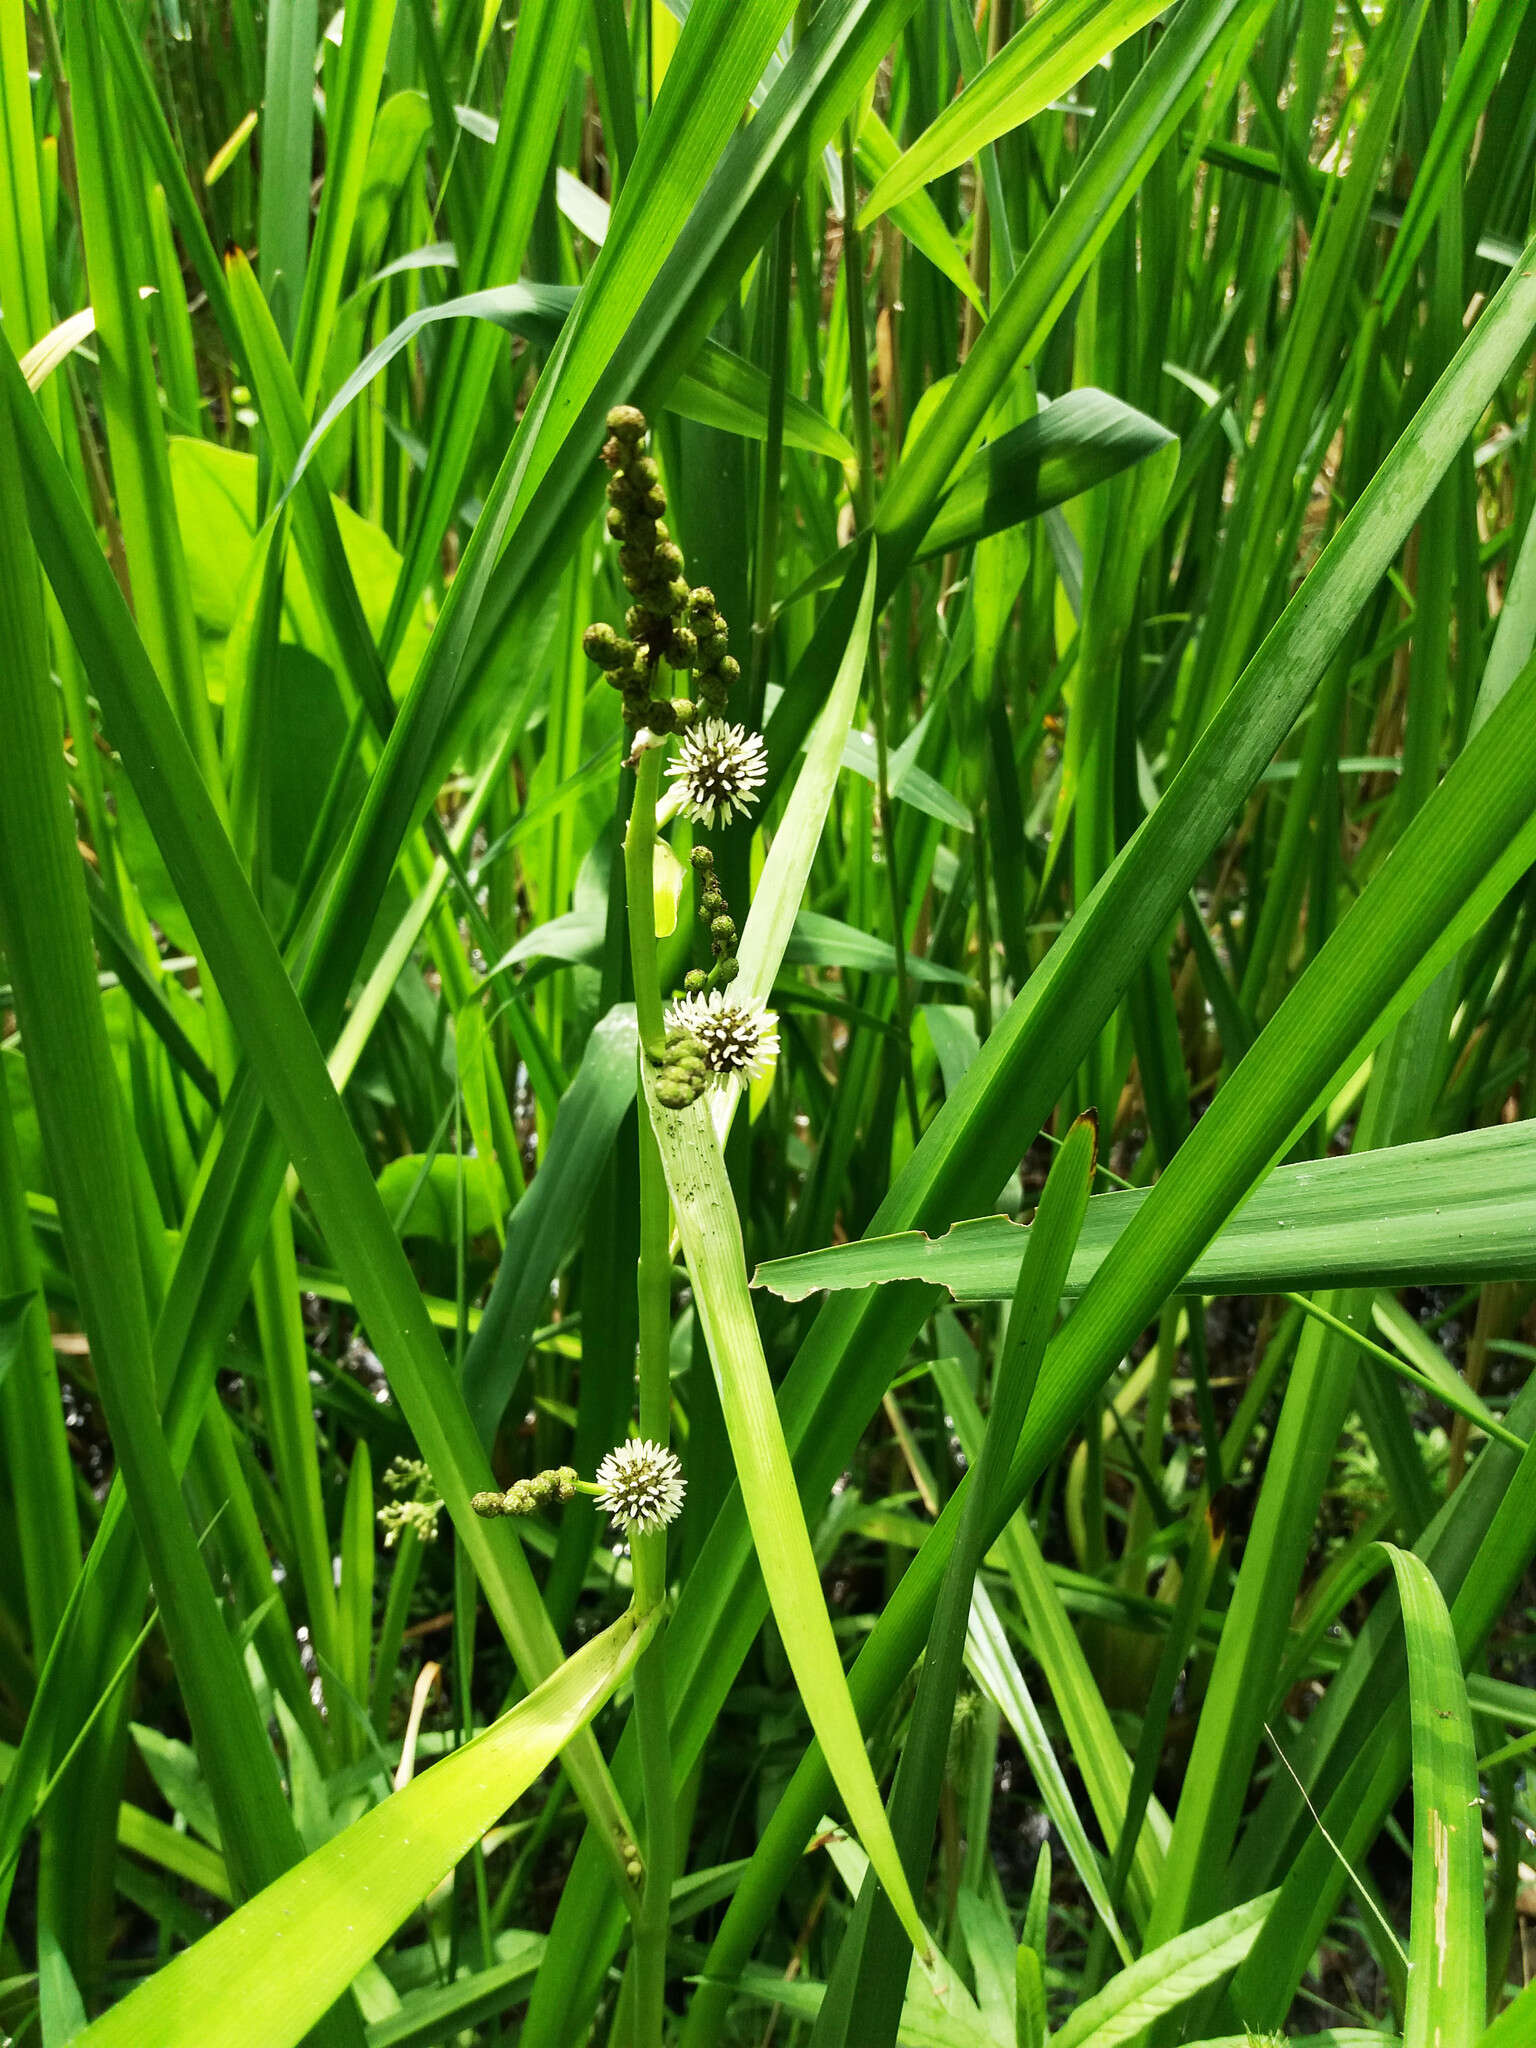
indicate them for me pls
(715, 670)
(668, 623)
(681, 1074)
(723, 937)
(526, 1496)
(657, 627)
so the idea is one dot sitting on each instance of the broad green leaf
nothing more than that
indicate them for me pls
(1082, 439)
(321, 1922)
(1441, 1212)
(711, 1239)
(1447, 1971)
(432, 1189)
(1163, 1979)
(816, 940)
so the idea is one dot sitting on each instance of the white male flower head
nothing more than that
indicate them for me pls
(640, 1484)
(738, 1037)
(720, 769)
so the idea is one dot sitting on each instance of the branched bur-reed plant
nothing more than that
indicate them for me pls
(706, 1039)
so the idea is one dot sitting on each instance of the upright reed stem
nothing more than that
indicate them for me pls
(864, 507)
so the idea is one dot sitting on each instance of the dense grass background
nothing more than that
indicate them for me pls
(1104, 430)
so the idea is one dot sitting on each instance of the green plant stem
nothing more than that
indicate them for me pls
(655, 1291)
(639, 885)
(649, 1555)
(864, 506)
(776, 288)
(648, 1550)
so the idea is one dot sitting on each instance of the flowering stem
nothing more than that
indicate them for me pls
(648, 1553)
(648, 1548)
(640, 891)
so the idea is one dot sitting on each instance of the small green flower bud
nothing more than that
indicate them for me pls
(644, 472)
(712, 645)
(711, 903)
(685, 711)
(729, 671)
(722, 930)
(635, 564)
(613, 519)
(638, 622)
(669, 556)
(620, 496)
(702, 859)
(601, 644)
(701, 598)
(712, 692)
(694, 981)
(654, 502)
(488, 1505)
(676, 1090)
(661, 598)
(661, 717)
(724, 971)
(682, 648)
(627, 423)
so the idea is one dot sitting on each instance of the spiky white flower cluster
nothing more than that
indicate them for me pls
(640, 1484)
(737, 1037)
(720, 768)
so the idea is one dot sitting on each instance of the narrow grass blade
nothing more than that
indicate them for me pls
(1057, 46)
(864, 2000)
